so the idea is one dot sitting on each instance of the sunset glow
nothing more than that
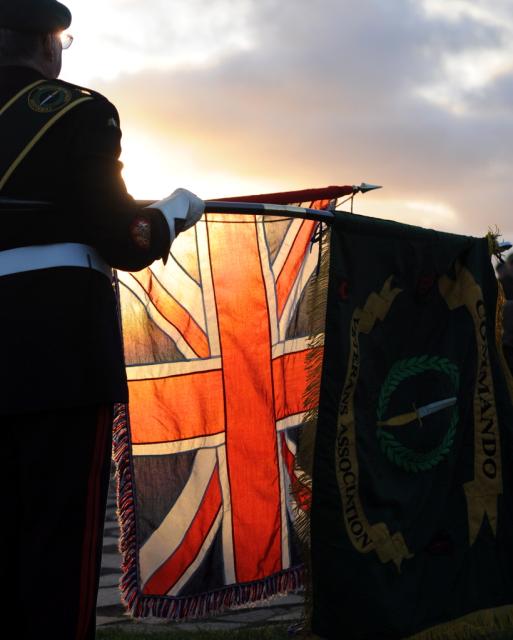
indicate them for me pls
(242, 96)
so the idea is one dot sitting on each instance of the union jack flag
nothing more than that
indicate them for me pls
(216, 345)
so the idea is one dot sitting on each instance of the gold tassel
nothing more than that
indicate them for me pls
(493, 236)
(476, 625)
(302, 490)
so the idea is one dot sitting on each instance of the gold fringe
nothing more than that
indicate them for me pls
(479, 624)
(302, 490)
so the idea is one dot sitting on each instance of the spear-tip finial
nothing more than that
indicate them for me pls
(365, 186)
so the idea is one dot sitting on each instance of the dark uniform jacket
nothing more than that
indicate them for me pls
(59, 331)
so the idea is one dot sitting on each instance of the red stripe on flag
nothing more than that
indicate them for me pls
(168, 574)
(293, 264)
(161, 410)
(174, 313)
(248, 384)
(290, 383)
(302, 494)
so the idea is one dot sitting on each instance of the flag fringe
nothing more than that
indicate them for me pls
(176, 608)
(473, 626)
(302, 487)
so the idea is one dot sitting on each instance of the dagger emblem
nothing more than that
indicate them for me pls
(49, 97)
(418, 414)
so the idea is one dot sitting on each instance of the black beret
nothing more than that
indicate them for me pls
(35, 16)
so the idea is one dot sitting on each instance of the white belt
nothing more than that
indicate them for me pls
(48, 256)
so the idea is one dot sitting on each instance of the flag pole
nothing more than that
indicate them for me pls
(253, 208)
(268, 204)
(8, 205)
(258, 208)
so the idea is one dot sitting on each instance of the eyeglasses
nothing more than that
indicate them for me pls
(66, 40)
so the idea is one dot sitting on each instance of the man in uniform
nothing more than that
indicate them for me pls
(62, 362)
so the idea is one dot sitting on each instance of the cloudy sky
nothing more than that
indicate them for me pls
(232, 97)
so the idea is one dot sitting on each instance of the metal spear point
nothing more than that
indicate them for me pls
(365, 186)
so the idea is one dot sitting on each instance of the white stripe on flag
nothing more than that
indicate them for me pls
(157, 317)
(208, 287)
(307, 268)
(292, 345)
(292, 506)
(178, 446)
(166, 539)
(228, 557)
(286, 246)
(192, 568)
(181, 286)
(284, 490)
(296, 420)
(270, 282)
(170, 369)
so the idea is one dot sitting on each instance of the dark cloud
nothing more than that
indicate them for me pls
(330, 93)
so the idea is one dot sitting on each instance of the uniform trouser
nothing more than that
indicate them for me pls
(55, 477)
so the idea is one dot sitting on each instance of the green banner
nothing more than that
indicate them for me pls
(412, 515)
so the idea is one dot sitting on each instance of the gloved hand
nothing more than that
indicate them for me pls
(181, 205)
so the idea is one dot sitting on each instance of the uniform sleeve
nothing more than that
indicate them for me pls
(127, 236)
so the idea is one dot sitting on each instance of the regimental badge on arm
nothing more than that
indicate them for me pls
(140, 231)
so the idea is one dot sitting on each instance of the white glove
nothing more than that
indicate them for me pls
(181, 204)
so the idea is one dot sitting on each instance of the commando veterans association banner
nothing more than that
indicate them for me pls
(412, 516)
(217, 343)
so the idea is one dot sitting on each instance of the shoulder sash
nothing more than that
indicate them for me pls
(27, 117)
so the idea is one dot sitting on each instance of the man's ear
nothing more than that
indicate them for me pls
(47, 46)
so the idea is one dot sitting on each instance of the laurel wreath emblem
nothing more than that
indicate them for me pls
(395, 451)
